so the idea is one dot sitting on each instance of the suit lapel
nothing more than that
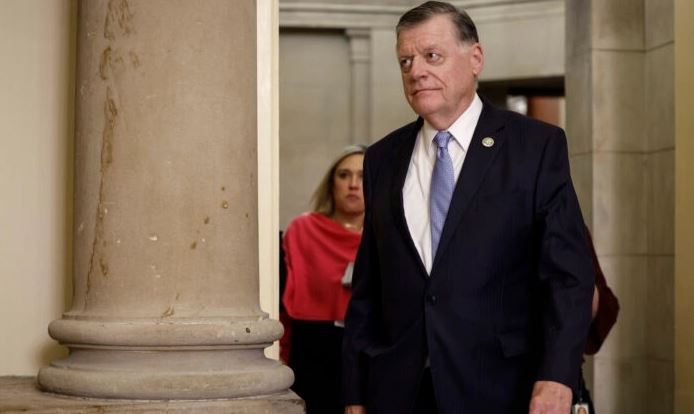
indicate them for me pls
(477, 161)
(401, 164)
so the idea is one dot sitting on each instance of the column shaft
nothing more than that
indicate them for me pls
(166, 238)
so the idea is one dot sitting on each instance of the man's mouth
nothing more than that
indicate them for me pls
(418, 91)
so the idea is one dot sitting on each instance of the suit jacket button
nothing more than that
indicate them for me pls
(431, 299)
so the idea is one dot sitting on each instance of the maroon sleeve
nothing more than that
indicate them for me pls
(608, 307)
(286, 340)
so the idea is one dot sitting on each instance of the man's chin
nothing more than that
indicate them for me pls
(422, 103)
(423, 110)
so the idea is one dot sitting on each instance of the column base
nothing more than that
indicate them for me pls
(166, 374)
(176, 359)
(20, 394)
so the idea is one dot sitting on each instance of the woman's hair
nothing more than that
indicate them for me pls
(322, 199)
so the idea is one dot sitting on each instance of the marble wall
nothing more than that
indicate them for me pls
(620, 97)
(659, 150)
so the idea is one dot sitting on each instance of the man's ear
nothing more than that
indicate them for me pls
(476, 59)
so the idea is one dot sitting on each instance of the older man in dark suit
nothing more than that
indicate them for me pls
(473, 283)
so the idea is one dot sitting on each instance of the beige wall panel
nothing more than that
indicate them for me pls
(661, 308)
(660, 98)
(661, 381)
(521, 47)
(661, 203)
(35, 177)
(618, 24)
(619, 204)
(619, 385)
(660, 17)
(618, 105)
(659, 138)
(578, 30)
(314, 113)
(627, 276)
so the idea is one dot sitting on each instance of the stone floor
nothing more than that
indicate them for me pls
(21, 395)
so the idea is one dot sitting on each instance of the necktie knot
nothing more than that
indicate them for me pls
(442, 138)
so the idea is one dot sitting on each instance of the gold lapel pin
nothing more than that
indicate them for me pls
(488, 142)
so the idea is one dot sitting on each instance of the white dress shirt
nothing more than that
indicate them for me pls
(415, 193)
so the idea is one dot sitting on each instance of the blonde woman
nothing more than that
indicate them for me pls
(320, 247)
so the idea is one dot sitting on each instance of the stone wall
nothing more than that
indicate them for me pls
(619, 88)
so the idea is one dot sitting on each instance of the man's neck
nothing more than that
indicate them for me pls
(443, 122)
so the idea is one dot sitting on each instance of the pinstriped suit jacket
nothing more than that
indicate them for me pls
(508, 301)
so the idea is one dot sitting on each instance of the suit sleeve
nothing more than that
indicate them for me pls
(565, 268)
(362, 313)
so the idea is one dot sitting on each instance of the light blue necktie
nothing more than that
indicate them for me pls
(442, 184)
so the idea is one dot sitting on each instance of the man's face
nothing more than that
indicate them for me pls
(438, 71)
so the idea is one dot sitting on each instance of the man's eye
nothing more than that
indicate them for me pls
(405, 63)
(433, 56)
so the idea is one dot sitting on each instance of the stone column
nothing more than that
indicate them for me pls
(359, 47)
(166, 231)
(619, 106)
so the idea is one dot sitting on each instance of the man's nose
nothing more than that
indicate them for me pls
(418, 69)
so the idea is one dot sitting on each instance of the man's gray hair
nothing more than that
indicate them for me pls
(467, 32)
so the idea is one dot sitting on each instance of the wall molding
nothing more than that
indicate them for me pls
(346, 16)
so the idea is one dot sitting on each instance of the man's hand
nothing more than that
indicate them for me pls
(355, 409)
(550, 397)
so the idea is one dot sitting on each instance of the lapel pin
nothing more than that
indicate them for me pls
(488, 142)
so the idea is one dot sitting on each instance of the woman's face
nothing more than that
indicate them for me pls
(347, 190)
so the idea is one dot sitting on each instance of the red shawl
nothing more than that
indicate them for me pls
(317, 251)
